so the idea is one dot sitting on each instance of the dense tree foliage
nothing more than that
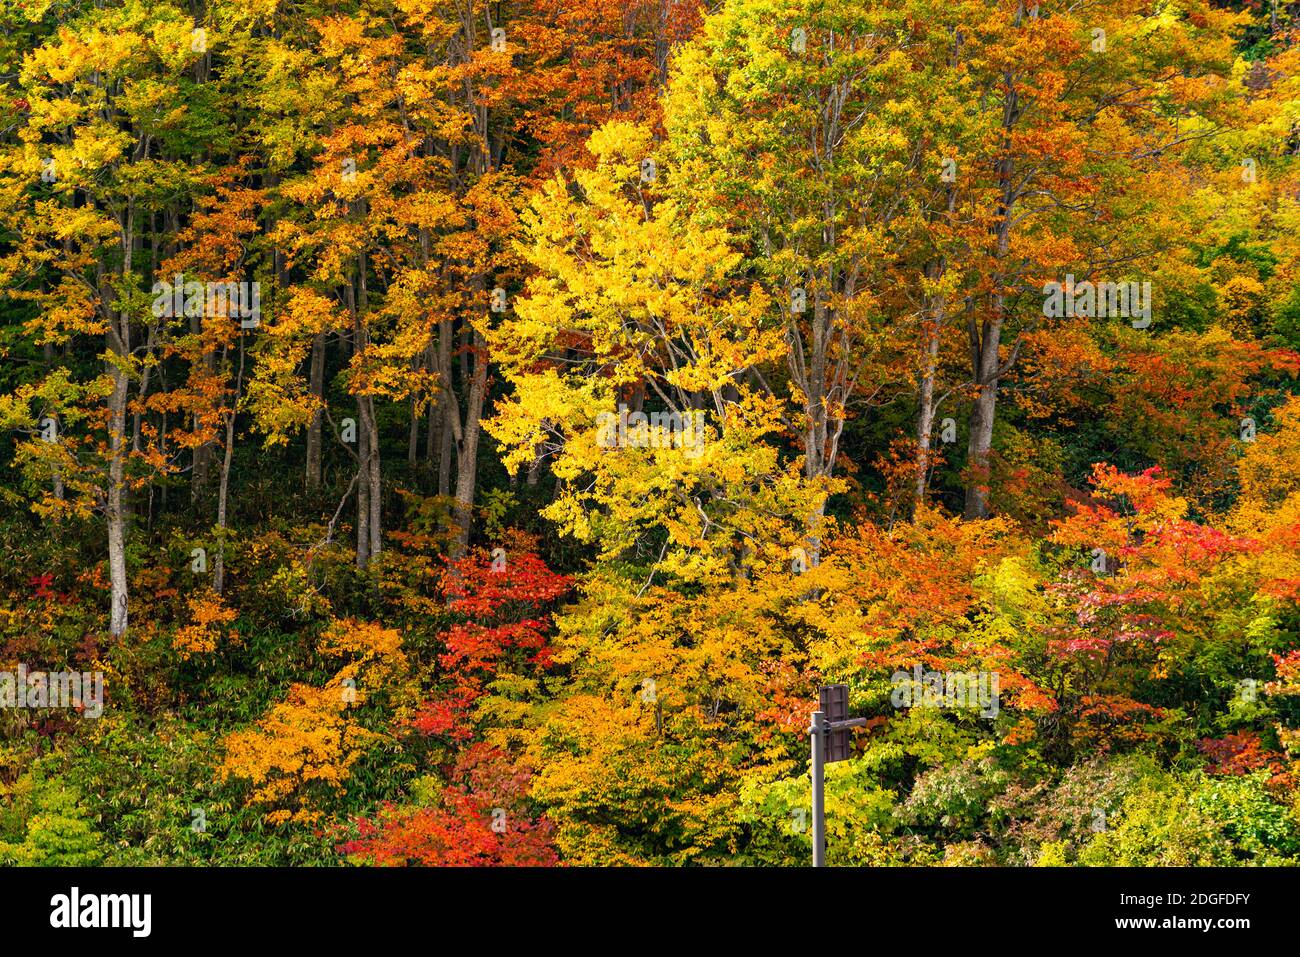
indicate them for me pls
(469, 433)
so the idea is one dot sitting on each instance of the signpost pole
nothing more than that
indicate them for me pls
(818, 734)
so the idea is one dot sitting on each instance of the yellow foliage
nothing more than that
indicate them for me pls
(209, 613)
(307, 742)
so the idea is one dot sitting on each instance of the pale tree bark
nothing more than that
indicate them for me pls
(371, 473)
(433, 414)
(985, 360)
(448, 414)
(223, 490)
(464, 429)
(57, 477)
(369, 484)
(201, 474)
(413, 434)
(467, 447)
(826, 385)
(535, 466)
(936, 315)
(115, 514)
(431, 430)
(119, 346)
(825, 357)
(317, 386)
(985, 336)
(373, 478)
(925, 419)
(146, 373)
(363, 487)
(466, 421)
(935, 318)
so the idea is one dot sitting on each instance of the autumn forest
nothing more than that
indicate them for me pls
(445, 432)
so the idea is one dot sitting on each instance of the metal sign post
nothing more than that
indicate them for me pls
(830, 742)
(818, 734)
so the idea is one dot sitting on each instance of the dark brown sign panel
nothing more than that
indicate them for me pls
(835, 703)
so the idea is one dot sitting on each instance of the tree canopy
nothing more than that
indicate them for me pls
(464, 433)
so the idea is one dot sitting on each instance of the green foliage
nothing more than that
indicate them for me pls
(1194, 820)
(55, 829)
(822, 226)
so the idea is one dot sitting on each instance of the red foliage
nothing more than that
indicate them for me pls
(1237, 754)
(1155, 565)
(480, 820)
(1288, 674)
(792, 695)
(504, 631)
(1107, 720)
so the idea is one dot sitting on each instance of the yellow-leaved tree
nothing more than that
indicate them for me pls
(301, 754)
(635, 355)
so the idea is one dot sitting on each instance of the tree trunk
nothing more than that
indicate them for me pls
(986, 339)
(223, 490)
(467, 448)
(925, 421)
(314, 430)
(374, 479)
(981, 424)
(809, 365)
(535, 466)
(202, 453)
(219, 563)
(448, 407)
(363, 486)
(369, 481)
(433, 431)
(936, 311)
(413, 435)
(936, 316)
(58, 472)
(369, 488)
(446, 448)
(115, 512)
(119, 345)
